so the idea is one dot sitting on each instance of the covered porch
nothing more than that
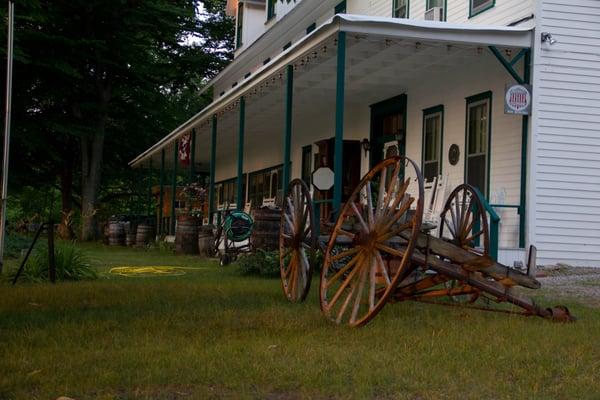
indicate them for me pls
(358, 89)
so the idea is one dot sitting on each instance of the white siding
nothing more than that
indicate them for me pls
(380, 8)
(503, 13)
(566, 170)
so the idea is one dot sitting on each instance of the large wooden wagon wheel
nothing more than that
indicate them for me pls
(464, 223)
(367, 254)
(297, 242)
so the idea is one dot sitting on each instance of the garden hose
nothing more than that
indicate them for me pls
(238, 226)
(142, 271)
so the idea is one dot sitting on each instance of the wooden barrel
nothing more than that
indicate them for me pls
(130, 239)
(144, 235)
(116, 233)
(205, 240)
(186, 235)
(265, 233)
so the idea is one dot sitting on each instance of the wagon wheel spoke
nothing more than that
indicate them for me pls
(370, 215)
(345, 233)
(474, 236)
(345, 253)
(358, 297)
(355, 281)
(382, 193)
(359, 216)
(343, 270)
(382, 268)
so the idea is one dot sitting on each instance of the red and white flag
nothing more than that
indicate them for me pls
(185, 144)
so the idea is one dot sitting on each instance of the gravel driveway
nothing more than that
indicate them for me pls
(578, 283)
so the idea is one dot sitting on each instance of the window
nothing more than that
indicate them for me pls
(433, 127)
(311, 28)
(265, 184)
(400, 9)
(240, 25)
(227, 192)
(479, 122)
(479, 6)
(306, 164)
(340, 8)
(434, 3)
(431, 4)
(270, 9)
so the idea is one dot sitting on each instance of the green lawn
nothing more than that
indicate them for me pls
(214, 334)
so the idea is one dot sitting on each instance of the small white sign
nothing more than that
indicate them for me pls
(323, 178)
(517, 99)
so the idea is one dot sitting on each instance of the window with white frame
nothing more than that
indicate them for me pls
(479, 6)
(400, 8)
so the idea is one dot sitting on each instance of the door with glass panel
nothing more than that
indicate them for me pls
(477, 155)
(433, 123)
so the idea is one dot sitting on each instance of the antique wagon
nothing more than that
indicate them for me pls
(380, 250)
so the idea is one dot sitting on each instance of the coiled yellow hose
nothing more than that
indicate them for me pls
(141, 271)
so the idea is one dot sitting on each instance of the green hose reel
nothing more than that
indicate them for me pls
(238, 226)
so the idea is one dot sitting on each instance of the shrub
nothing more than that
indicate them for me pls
(71, 264)
(263, 263)
(15, 244)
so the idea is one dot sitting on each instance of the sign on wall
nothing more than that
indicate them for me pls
(323, 178)
(517, 99)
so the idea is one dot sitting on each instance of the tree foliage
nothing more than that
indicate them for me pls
(96, 82)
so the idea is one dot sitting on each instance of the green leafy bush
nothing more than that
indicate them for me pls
(71, 264)
(263, 263)
(15, 244)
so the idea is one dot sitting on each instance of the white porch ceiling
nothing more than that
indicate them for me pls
(380, 63)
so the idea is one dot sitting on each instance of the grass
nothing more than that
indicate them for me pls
(214, 334)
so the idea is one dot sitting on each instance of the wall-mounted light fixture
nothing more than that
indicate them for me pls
(547, 38)
(366, 145)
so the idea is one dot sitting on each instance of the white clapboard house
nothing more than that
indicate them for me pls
(502, 94)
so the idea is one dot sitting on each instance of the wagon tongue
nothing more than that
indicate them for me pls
(560, 314)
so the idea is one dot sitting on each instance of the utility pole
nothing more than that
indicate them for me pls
(9, 68)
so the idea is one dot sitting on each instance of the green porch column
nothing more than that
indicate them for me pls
(193, 156)
(149, 203)
(240, 171)
(524, 149)
(213, 164)
(174, 188)
(339, 122)
(161, 198)
(287, 141)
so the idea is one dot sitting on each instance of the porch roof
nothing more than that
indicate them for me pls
(388, 28)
